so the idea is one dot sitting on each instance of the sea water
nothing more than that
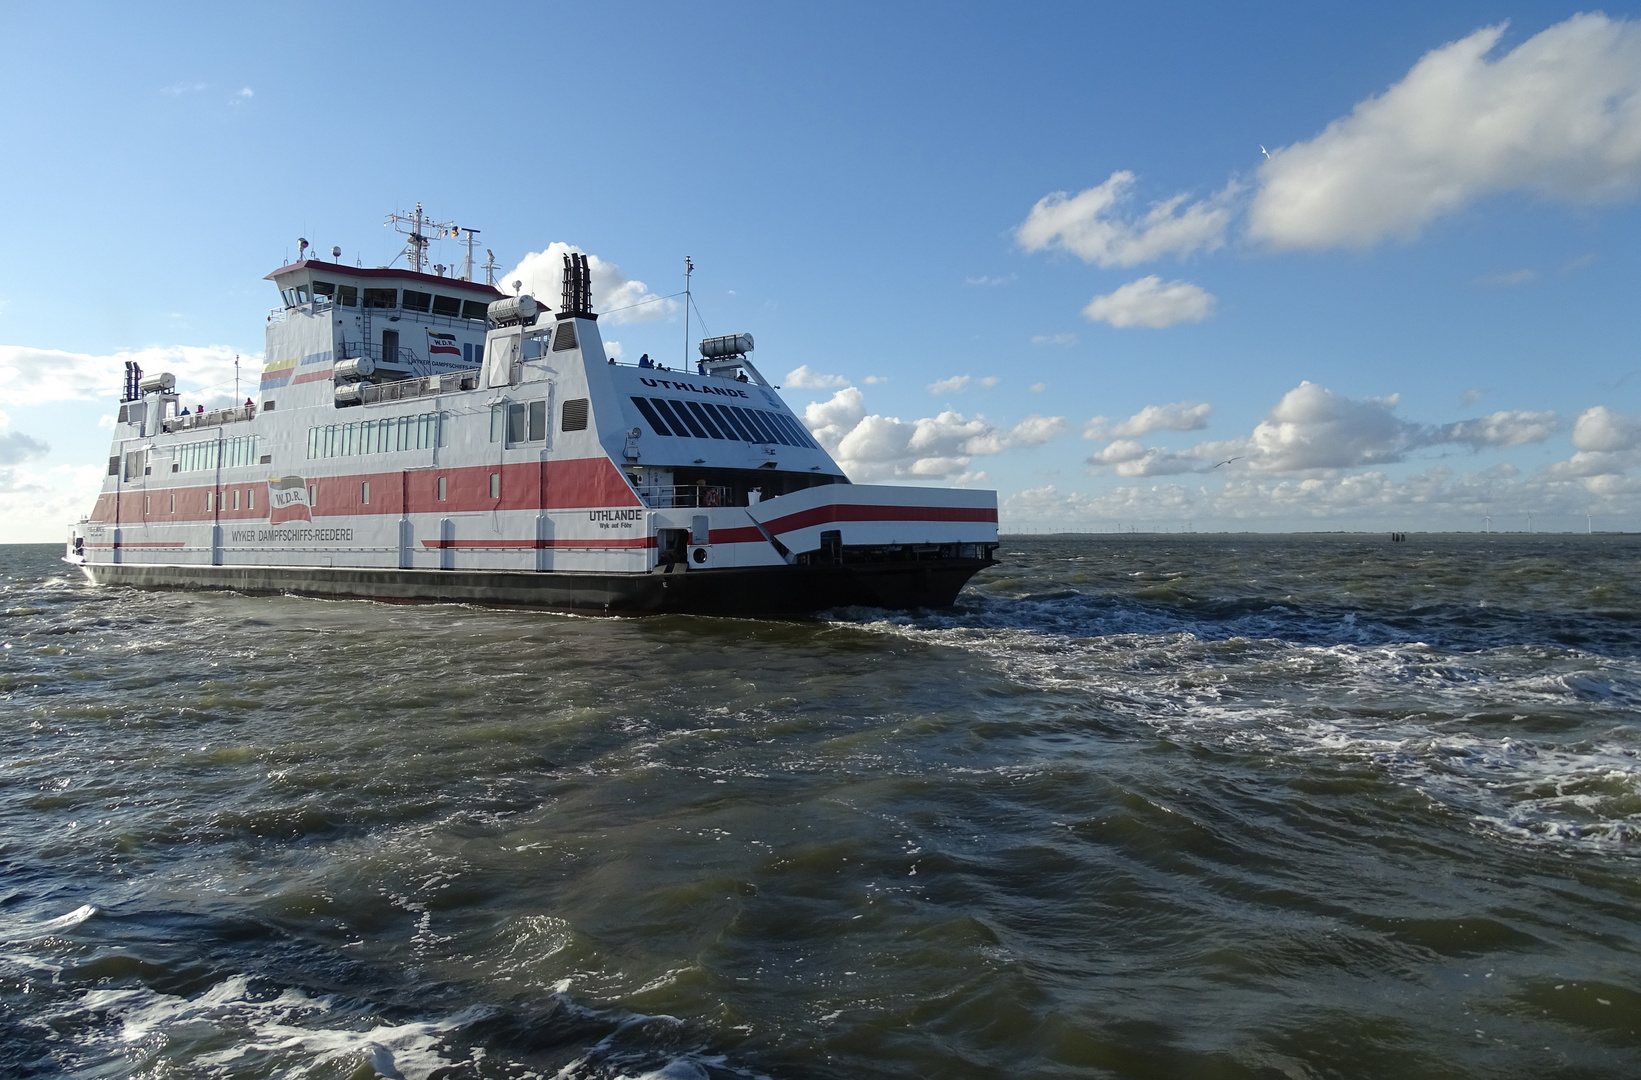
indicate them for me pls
(1138, 806)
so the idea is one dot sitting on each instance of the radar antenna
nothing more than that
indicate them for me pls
(420, 231)
(467, 265)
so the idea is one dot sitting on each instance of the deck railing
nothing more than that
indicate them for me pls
(447, 383)
(685, 496)
(214, 418)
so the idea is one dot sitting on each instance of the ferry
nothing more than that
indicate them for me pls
(420, 436)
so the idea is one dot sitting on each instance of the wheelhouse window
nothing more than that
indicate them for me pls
(526, 422)
(347, 295)
(416, 301)
(475, 309)
(447, 305)
(382, 298)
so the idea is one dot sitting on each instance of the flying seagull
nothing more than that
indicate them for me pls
(1264, 151)
(1227, 461)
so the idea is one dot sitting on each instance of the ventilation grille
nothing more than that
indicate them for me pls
(564, 339)
(575, 415)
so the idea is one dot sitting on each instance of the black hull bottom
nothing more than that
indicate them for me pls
(772, 590)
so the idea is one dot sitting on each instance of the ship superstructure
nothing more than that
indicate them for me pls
(418, 436)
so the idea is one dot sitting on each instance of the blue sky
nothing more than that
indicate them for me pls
(1420, 315)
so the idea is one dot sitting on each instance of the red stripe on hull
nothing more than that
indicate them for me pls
(154, 544)
(537, 545)
(822, 515)
(577, 484)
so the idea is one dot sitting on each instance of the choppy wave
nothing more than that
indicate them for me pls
(1538, 742)
(1200, 806)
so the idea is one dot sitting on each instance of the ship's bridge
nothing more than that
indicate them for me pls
(313, 280)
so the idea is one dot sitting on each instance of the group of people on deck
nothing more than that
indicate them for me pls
(645, 362)
(249, 404)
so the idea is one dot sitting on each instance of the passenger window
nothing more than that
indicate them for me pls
(538, 421)
(517, 418)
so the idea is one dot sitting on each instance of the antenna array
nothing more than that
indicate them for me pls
(421, 230)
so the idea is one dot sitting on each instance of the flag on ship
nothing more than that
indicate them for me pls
(288, 499)
(442, 343)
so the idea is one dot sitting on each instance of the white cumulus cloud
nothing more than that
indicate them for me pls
(1608, 445)
(1439, 497)
(1091, 225)
(954, 385)
(871, 447)
(1601, 429)
(1314, 428)
(1558, 116)
(1151, 302)
(802, 378)
(1036, 430)
(1176, 416)
(1132, 458)
(620, 298)
(1505, 428)
(35, 376)
(1310, 430)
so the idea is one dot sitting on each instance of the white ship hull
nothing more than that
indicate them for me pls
(529, 471)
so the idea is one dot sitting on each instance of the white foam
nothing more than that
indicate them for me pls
(1428, 718)
(287, 1030)
(21, 932)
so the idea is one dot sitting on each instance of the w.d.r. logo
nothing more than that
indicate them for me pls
(288, 500)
